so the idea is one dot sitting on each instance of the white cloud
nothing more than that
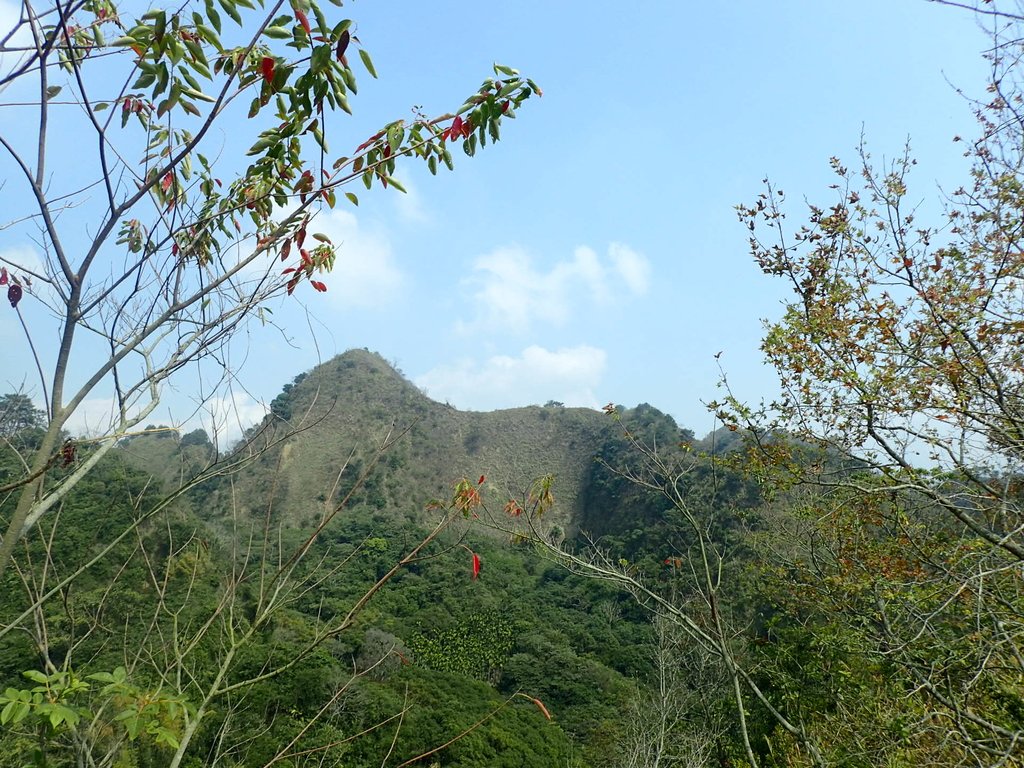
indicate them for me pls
(510, 293)
(631, 267)
(537, 375)
(365, 273)
(22, 259)
(93, 417)
(226, 418)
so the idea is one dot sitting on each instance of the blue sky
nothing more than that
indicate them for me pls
(594, 254)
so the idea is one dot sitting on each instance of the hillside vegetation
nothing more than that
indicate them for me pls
(437, 647)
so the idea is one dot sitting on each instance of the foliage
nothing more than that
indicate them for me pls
(900, 362)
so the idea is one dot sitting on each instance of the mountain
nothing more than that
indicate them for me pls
(343, 410)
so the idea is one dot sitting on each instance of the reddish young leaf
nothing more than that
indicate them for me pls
(476, 565)
(267, 65)
(343, 41)
(369, 141)
(482, 479)
(14, 295)
(166, 181)
(3, 275)
(303, 20)
(321, 287)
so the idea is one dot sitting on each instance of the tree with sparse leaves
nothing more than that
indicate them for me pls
(157, 242)
(900, 434)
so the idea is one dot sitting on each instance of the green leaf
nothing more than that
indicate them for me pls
(162, 79)
(198, 54)
(321, 59)
(352, 198)
(396, 133)
(210, 36)
(213, 15)
(36, 676)
(61, 714)
(278, 33)
(197, 94)
(502, 70)
(261, 145)
(367, 62)
(52, 91)
(231, 10)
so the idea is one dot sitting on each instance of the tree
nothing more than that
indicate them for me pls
(17, 413)
(156, 248)
(696, 595)
(901, 365)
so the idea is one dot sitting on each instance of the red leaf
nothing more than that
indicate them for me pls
(482, 479)
(456, 129)
(3, 275)
(321, 287)
(14, 296)
(166, 181)
(476, 565)
(268, 68)
(67, 453)
(339, 51)
(303, 20)
(369, 141)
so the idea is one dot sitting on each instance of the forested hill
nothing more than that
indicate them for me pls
(342, 411)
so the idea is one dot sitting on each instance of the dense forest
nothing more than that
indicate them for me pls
(519, 660)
